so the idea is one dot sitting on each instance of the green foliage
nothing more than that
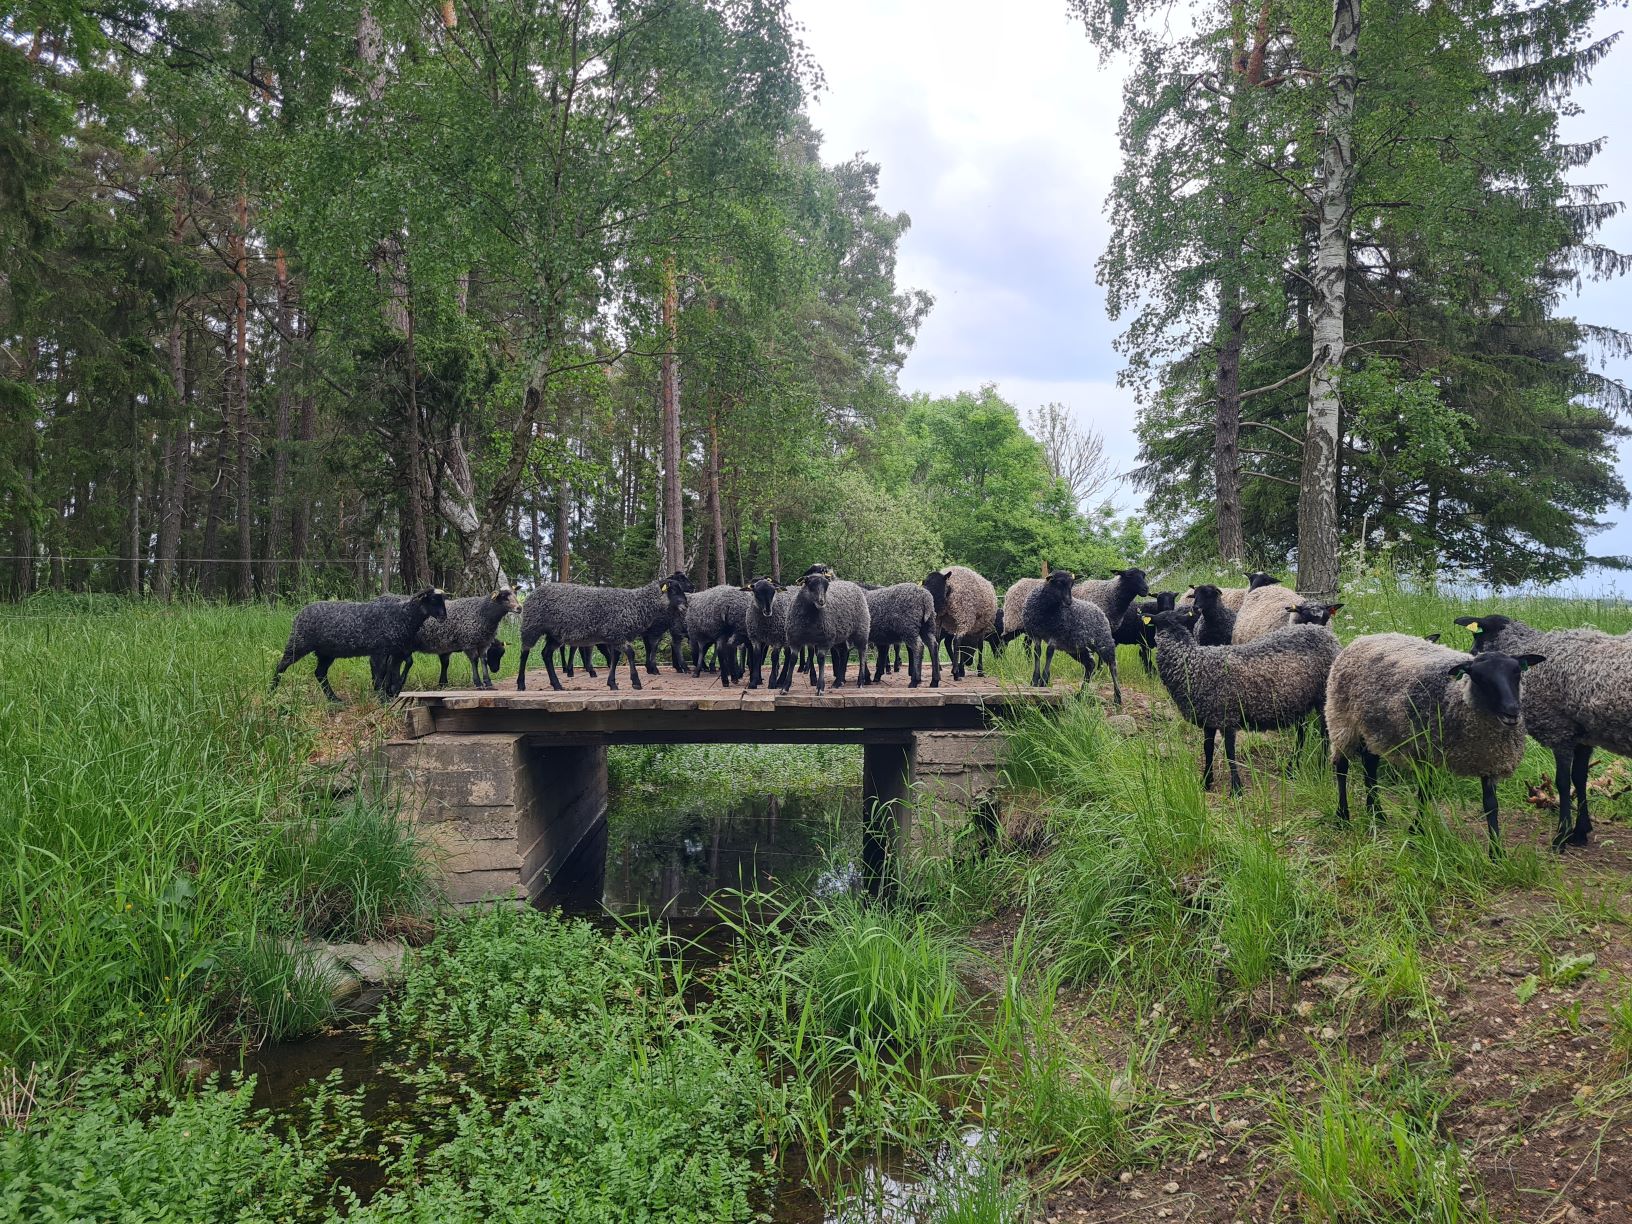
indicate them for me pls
(1371, 1148)
(102, 1147)
(867, 533)
(165, 835)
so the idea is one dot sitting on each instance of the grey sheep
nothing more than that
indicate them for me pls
(1053, 618)
(566, 614)
(1579, 700)
(1217, 624)
(905, 614)
(1272, 606)
(1277, 681)
(965, 612)
(470, 628)
(768, 632)
(1397, 697)
(828, 615)
(337, 629)
(1115, 595)
(718, 617)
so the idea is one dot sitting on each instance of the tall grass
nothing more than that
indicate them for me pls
(162, 830)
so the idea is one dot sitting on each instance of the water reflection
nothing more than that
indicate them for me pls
(666, 859)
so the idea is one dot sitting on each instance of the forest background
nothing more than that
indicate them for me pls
(336, 297)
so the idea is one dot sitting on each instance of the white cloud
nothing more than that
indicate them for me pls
(996, 129)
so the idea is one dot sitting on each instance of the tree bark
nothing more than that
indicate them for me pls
(1317, 493)
(276, 512)
(561, 546)
(173, 481)
(416, 556)
(714, 508)
(457, 502)
(776, 555)
(674, 540)
(133, 507)
(300, 521)
(240, 397)
(1232, 544)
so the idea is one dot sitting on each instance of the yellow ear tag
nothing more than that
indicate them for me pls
(1477, 627)
(664, 588)
(1146, 619)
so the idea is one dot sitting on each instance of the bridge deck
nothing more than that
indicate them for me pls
(674, 707)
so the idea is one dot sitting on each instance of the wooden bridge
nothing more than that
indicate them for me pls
(507, 784)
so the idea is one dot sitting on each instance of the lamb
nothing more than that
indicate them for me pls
(768, 632)
(1054, 618)
(1579, 700)
(1394, 696)
(470, 628)
(904, 614)
(1235, 596)
(1132, 630)
(674, 626)
(828, 614)
(1272, 606)
(718, 617)
(1275, 682)
(1217, 625)
(336, 629)
(566, 614)
(965, 612)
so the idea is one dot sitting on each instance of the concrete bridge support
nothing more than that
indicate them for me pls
(503, 812)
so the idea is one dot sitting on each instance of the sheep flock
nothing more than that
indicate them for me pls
(1254, 658)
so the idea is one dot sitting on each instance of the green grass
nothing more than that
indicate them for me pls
(162, 832)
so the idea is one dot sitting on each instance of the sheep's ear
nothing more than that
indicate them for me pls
(1432, 637)
(1457, 670)
(1333, 609)
(1470, 622)
(1527, 661)
(1291, 607)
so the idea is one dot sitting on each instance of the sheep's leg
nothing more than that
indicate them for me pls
(550, 647)
(323, 662)
(1562, 758)
(1116, 684)
(402, 676)
(475, 657)
(1370, 760)
(1209, 736)
(587, 653)
(1582, 834)
(787, 669)
(567, 665)
(841, 663)
(818, 674)
(1297, 750)
(283, 665)
(1229, 755)
(1487, 793)
(934, 647)
(883, 657)
(727, 658)
(1144, 656)
(521, 668)
(634, 668)
(915, 663)
(980, 657)
(861, 666)
(1340, 770)
(1048, 667)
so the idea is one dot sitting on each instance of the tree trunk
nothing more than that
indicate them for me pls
(562, 544)
(300, 522)
(416, 554)
(776, 555)
(173, 482)
(674, 540)
(1232, 544)
(133, 506)
(210, 549)
(270, 577)
(240, 397)
(1317, 493)
(714, 508)
(457, 501)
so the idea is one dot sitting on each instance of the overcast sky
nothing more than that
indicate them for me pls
(995, 126)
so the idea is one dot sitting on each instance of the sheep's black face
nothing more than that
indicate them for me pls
(821, 567)
(1135, 577)
(495, 654)
(1060, 582)
(675, 589)
(1486, 630)
(816, 589)
(939, 586)
(1175, 620)
(435, 603)
(1258, 579)
(506, 599)
(1493, 680)
(1206, 595)
(1166, 601)
(764, 593)
(1312, 613)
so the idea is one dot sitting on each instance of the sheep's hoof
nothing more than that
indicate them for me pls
(1579, 837)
